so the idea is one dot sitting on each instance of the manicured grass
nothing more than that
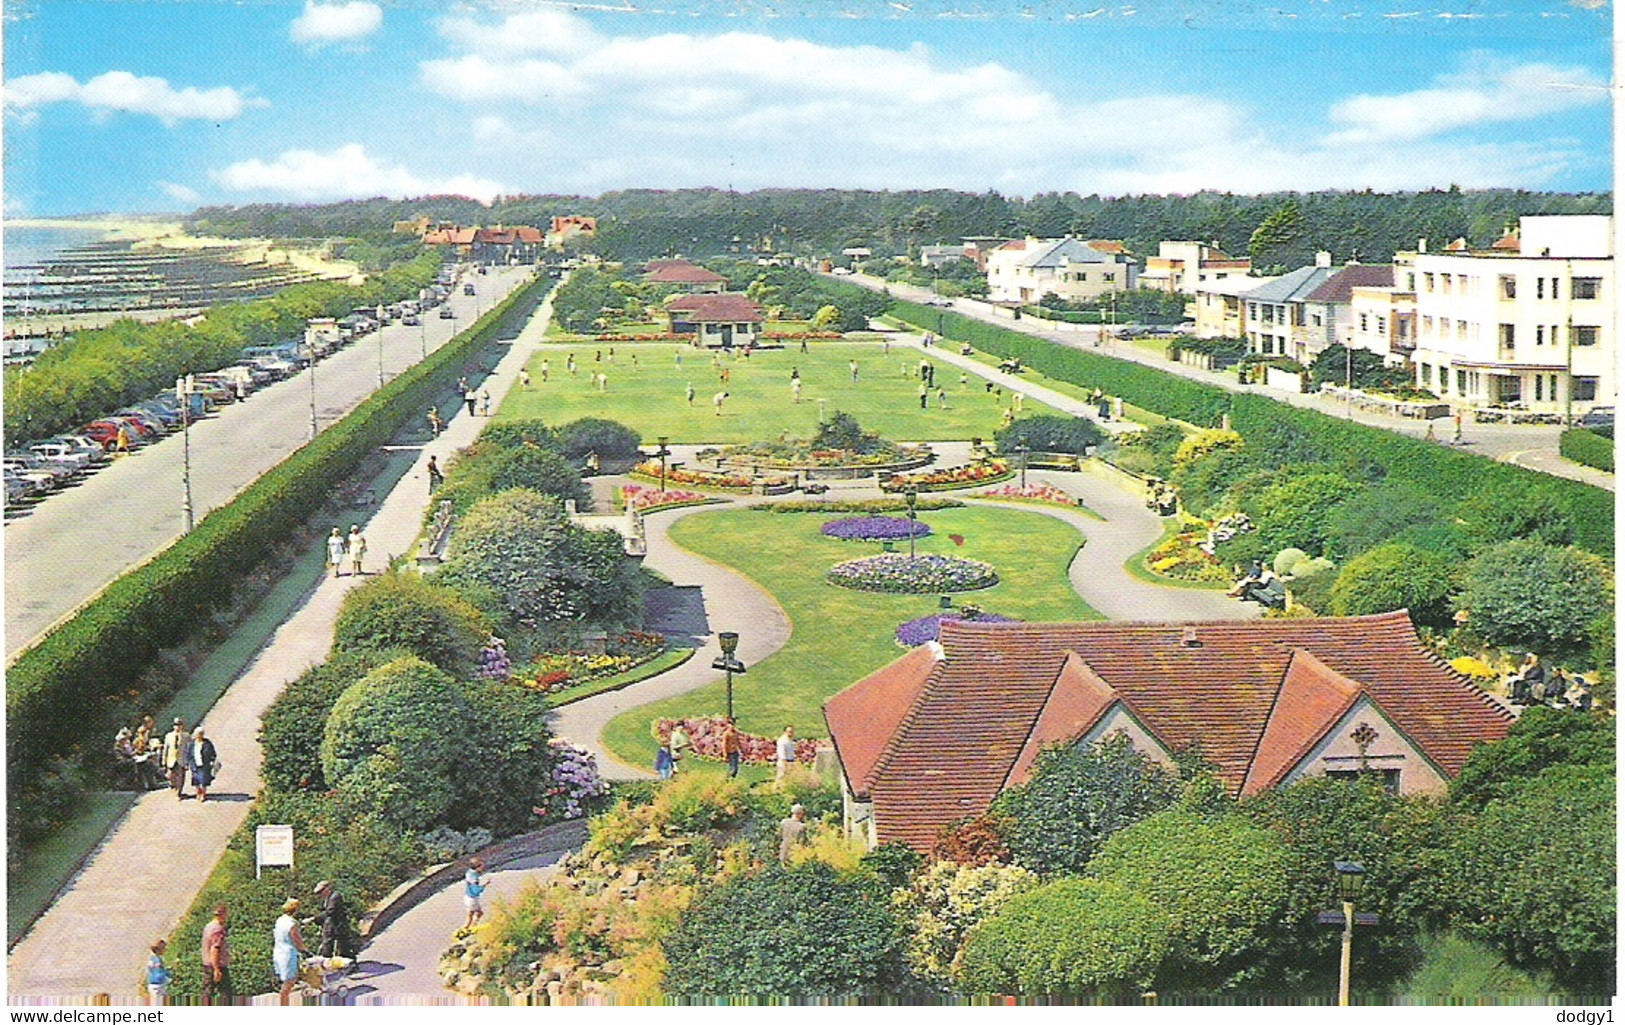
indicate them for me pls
(38, 871)
(650, 396)
(1073, 391)
(669, 659)
(839, 635)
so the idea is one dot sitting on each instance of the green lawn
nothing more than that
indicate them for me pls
(649, 396)
(840, 635)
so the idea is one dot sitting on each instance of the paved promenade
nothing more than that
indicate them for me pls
(76, 542)
(149, 869)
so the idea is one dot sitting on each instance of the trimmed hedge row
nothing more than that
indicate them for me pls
(158, 604)
(1449, 473)
(1588, 448)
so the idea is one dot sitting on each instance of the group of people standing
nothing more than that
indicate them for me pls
(342, 549)
(170, 760)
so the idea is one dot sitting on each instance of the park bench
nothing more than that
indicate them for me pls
(432, 551)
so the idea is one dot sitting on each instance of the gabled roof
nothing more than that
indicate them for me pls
(1339, 288)
(494, 236)
(1290, 287)
(1054, 252)
(676, 272)
(1510, 241)
(462, 236)
(1245, 691)
(713, 307)
(529, 235)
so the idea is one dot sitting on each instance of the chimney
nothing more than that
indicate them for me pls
(1323, 259)
(1187, 638)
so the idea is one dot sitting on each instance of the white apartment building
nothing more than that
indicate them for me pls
(1026, 270)
(1180, 267)
(1532, 325)
(1220, 312)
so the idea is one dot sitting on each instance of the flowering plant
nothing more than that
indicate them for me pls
(903, 574)
(705, 736)
(967, 476)
(928, 628)
(1030, 493)
(645, 499)
(875, 528)
(574, 784)
(562, 670)
(494, 661)
(706, 478)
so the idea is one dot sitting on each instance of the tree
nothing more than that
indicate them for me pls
(1076, 799)
(1279, 229)
(1396, 576)
(826, 316)
(1385, 512)
(1541, 739)
(540, 470)
(292, 727)
(403, 611)
(945, 903)
(1072, 434)
(1075, 938)
(608, 438)
(1499, 514)
(800, 933)
(1294, 512)
(1222, 881)
(1530, 595)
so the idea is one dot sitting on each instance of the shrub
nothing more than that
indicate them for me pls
(1530, 513)
(1588, 448)
(540, 470)
(1072, 434)
(1076, 799)
(292, 727)
(895, 863)
(1541, 739)
(1525, 594)
(1384, 512)
(1294, 512)
(1287, 560)
(1074, 938)
(1205, 443)
(924, 574)
(1222, 881)
(516, 433)
(945, 902)
(981, 840)
(786, 933)
(1396, 576)
(405, 611)
(611, 440)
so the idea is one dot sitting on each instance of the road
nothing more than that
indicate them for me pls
(74, 543)
(1531, 446)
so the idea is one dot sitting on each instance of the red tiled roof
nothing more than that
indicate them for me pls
(1079, 700)
(1312, 698)
(494, 236)
(676, 272)
(719, 306)
(965, 728)
(1508, 241)
(1106, 245)
(865, 722)
(1458, 246)
(462, 236)
(1339, 288)
(529, 235)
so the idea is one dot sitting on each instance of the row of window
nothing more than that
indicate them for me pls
(1507, 286)
(1508, 388)
(1580, 335)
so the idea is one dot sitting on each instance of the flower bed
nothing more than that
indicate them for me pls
(551, 674)
(875, 528)
(1180, 558)
(575, 783)
(709, 478)
(969, 476)
(799, 455)
(705, 735)
(925, 574)
(796, 336)
(1031, 493)
(916, 632)
(663, 336)
(653, 499)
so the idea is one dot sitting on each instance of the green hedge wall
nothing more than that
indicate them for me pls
(1588, 448)
(1448, 473)
(156, 605)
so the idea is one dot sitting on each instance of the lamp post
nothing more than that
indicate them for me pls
(1350, 878)
(663, 453)
(1348, 378)
(1021, 447)
(381, 356)
(183, 392)
(911, 495)
(729, 664)
(310, 349)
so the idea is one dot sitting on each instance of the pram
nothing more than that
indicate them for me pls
(326, 978)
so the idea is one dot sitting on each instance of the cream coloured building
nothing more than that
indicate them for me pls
(1026, 270)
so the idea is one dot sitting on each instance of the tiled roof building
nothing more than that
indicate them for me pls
(935, 736)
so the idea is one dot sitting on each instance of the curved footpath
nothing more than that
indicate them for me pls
(147, 871)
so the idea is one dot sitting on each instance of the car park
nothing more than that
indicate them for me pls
(30, 465)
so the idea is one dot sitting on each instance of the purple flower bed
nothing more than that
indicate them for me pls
(899, 574)
(928, 628)
(875, 528)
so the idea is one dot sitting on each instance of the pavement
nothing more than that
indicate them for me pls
(151, 865)
(1532, 446)
(134, 505)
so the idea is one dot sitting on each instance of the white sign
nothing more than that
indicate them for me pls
(273, 847)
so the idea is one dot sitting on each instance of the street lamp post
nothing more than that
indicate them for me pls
(310, 348)
(381, 356)
(183, 392)
(1350, 879)
(911, 495)
(663, 453)
(729, 664)
(1021, 447)
(1348, 378)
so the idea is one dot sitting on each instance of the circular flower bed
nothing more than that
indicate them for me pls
(875, 528)
(928, 628)
(925, 574)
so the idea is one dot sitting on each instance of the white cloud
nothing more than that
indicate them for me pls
(1482, 94)
(121, 91)
(336, 23)
(181, 193)
(347, 172)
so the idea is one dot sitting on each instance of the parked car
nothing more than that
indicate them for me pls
(28, 464)
(447, 314)
(146, 422)
(1598, 416)
(411, 320)
(468, 289)
(68, 455)
(96, 453)
(104, 432)
(18, 490)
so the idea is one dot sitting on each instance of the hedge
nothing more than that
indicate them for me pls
(1588, 448)
(1440, 470)
(159, 603)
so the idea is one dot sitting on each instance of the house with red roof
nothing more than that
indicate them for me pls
(686, 276)
(716, 319)
(936, 735)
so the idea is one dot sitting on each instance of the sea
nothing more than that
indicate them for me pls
(30, 247)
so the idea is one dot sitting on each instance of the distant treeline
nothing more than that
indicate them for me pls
(1277, 229)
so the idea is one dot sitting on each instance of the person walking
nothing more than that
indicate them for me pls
(664, 764)
(205, 763)
(925, 393)
(524, 378)
(217, 958)
(785, 749)
(470, 396)
(177, 758)
(795, 390)
(547, 368)
(733, 748)
(334, 919)
(335, 551)
(679, 744)
(852, 365)
(679, 355)
(436, 425)
(485, 402)
(436, 478)
(570, 364)
(287, 946)
(356, 545)
(942, 399)
(689, 393)
(158, 975)
(474, 883)
(791, 831)
(717, 400)
(603, 381)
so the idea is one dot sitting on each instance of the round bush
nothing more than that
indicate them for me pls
(897, 573)
(541, 470)
(609, 439)
(1072, 434)
(402, 610)
(875, 528)
(1396, 576)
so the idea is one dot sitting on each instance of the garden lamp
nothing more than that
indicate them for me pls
(911, 495)
(1350, 878)
(663, 453)
(1021, 446)
(729, 642)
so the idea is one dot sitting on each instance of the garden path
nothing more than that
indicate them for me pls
(149, 868)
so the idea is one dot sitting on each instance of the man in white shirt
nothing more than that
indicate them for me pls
(786, 751)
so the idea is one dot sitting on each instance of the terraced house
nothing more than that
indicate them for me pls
(935, 736)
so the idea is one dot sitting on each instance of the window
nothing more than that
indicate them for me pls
(1363, 327)
(1540, 334)
(1540, 288)
(1587, 288)
(1388, 777)
(1583, 335)
(1316, 319)
(1109, 276)
(1540, 388)
(1509, 336)
(1509, 287)
(1461, 382)
(1382, 325)
(1583, 389)
(1427, 280)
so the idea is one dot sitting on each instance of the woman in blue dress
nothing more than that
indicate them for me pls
(286, 947)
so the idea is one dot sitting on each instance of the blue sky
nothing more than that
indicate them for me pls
(154, 105)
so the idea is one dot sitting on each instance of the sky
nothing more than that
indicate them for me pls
(164, 105)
